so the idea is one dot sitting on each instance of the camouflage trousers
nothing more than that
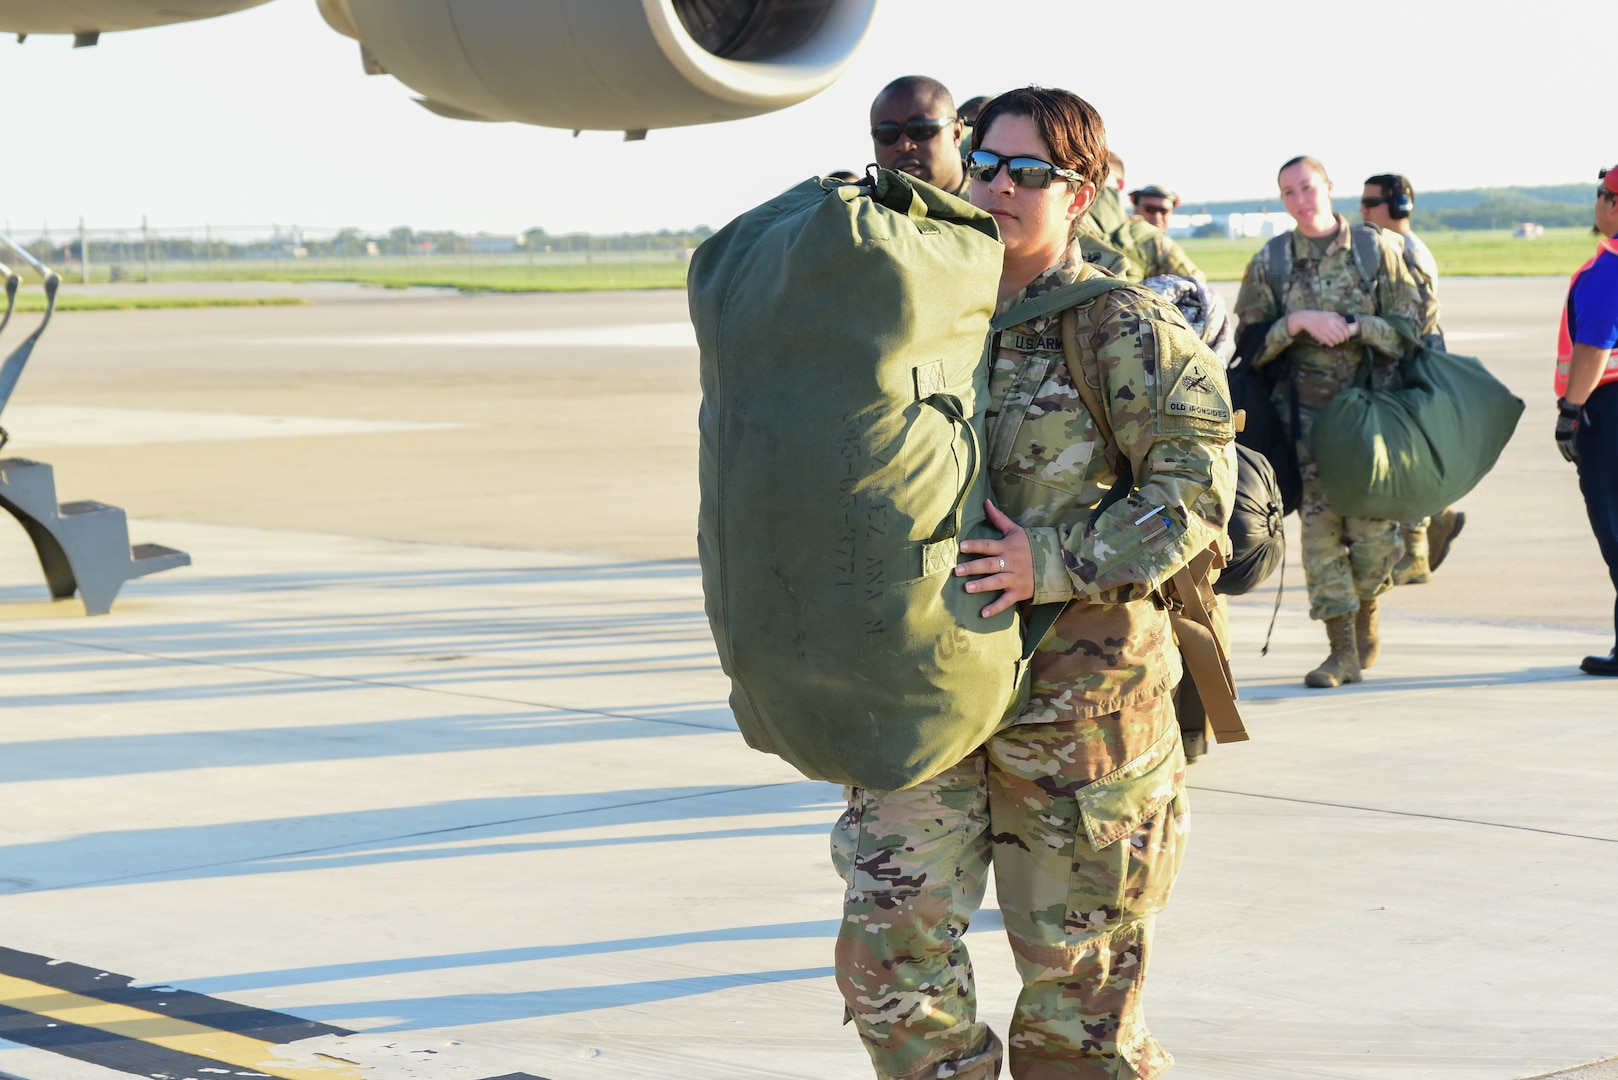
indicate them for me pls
(1084, 824)
(1345, 559)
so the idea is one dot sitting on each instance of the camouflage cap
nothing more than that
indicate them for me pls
(1152, 191)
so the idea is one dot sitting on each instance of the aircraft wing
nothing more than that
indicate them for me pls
(86, 18)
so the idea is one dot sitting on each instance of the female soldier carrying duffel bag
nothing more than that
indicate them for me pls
(1077, 805)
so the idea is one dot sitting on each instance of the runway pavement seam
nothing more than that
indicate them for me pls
(1363, 693)
(1503, 624)
(1406, 813)
(1577, 1069)
(357, 681)
(375, 841)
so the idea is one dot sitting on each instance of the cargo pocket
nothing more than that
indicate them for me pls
(1135, 820)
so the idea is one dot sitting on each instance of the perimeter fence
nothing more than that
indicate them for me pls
(403, 256)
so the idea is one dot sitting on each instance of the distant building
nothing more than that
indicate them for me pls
(1528, 230)
(1235, 226)
(485, 244)
(1263, 225)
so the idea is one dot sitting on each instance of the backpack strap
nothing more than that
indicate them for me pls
(1278, 269)
(1081, 363)
(1189, 596)
(1198, 627)
(1042, 618)
(1059, 299)
(1367, 253)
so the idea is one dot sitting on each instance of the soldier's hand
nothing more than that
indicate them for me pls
(1008, 563)
(1567, 426)
(1326, 327)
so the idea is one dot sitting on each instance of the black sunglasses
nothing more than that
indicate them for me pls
(887, 132)
(1028, 172)
(1375, 200)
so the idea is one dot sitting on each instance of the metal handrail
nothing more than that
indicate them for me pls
(13, 279)
(11, 369)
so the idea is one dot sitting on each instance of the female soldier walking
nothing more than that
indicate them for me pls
(1079, 805)
(1328, 292)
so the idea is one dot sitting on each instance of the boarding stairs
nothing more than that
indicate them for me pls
(83, 546)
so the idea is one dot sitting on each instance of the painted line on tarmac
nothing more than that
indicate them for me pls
(1408, 813)
(674, 335)
(42, 426)
(99, 1028)
(97, 1017)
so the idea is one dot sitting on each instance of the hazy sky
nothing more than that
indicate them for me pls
(266, 116)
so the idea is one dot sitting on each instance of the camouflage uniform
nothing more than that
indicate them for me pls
(1344, 559)
(1095, 250)
(1079, 806)
(1151, 251)
(1424, 271)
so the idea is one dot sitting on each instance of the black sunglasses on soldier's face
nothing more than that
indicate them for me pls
(1028, 172)
(887, 132)
(1373, 201)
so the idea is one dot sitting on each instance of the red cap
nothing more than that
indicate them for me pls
(1609, 179)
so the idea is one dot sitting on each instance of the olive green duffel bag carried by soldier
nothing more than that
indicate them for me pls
(842, 331)
(1404, 454)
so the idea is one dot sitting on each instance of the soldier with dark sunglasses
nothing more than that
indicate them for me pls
(1077, 807)
(915, 130)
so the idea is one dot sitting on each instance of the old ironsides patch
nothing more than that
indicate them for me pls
(1197, 395)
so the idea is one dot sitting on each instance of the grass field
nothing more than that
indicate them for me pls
(561, 272)
(489, 276)
(1477, 253)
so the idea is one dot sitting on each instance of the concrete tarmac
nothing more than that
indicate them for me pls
(430, 744)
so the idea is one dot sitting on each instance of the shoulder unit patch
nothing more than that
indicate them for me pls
(1198, 395)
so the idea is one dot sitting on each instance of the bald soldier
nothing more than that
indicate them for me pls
(915, 130)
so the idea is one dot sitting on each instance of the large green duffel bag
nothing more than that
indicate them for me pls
(1402, 455)
(842, 331)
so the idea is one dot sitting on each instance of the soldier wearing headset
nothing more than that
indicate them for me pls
(1387, 203)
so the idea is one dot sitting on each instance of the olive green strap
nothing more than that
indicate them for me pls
(950, 406)
(1041, 619)
(1090, 393)
(893, 190)
(1067, 296)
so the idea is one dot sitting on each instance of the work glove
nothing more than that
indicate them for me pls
(1567, 426)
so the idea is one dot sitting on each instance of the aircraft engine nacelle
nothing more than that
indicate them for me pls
(625, 65)
(88, 17)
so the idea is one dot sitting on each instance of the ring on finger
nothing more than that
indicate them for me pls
(1002, 564)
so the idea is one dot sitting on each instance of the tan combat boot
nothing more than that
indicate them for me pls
(1441, 533)
(1343, 665)
(1413, 567)
(1365, 636)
